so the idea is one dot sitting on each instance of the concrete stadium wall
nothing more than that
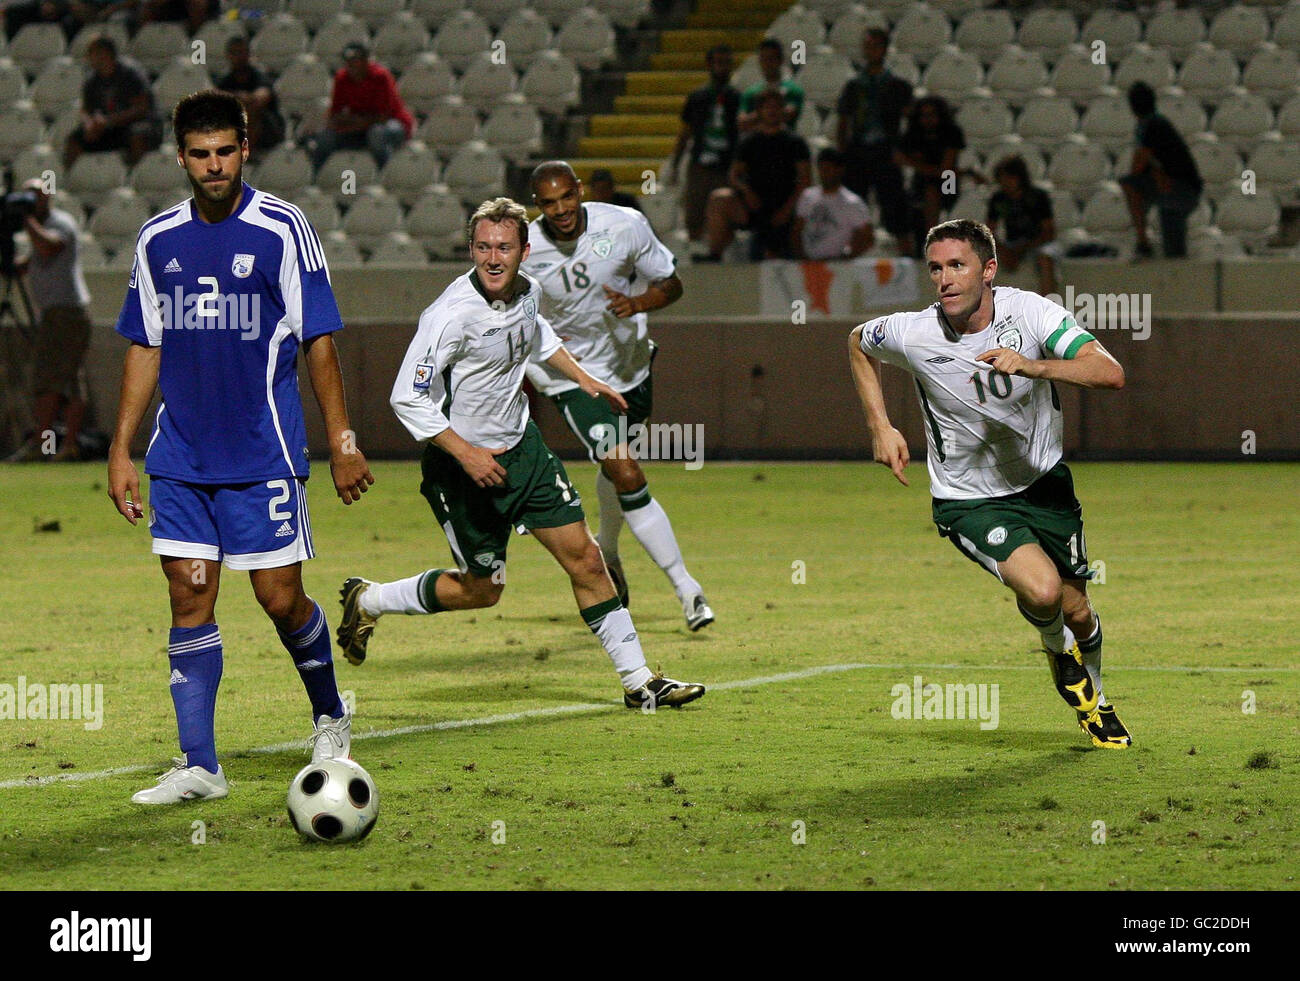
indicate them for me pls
(768, 388)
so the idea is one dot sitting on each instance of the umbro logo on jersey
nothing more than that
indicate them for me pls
(630, 637)
(284, 531)
(173, 266)
(939, 360)
(178, 678)
(494, 330)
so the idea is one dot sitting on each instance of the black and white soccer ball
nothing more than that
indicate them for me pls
(333, 800)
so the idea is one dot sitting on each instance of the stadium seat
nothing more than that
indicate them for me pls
(1109, 122)
(340, 251)
(178, 80)
(1048, 32)
(21, 127)
(400, 41)
(475, 171)
(557, 12)
(921, 32)
(301, 85)
(158, 181)
(409, 171)
(34, 44)
(1047, 120)
(588, 38)
(1252, 218)
(845, 35)
(1119, 30)
(13, 83)
(372, 214)
(1186, 113)
(494, 12)
(1011, 144)
(57, 86)
(486, 80)
(514, 128)
(1274, 73)
(824, 76)
(157, 44)
(626, 14)
(1018, 74)
(1145, 63)
(283, 170)
(215, 35)
(64, 123)
(1178, 31)
(461, 38)
(397, 249)
(984, 120)
(450, 123)
(1209, 244)
(1276, 165)
(747, 74)
(433, 13)
(1242, 119)
(1207, 73)
(1078, 166)
(832, 10)
(90, 253)
(1286, 28)
(346, 173)
(1288, 119)
(118, 217)
(115, 29)
(973, 201)
(904, 66)
(1106, 216)
(339, 31)
(524, 34)
(318, 207)
(1219, 163)
(1065, 210)
(551, 83)
(36, 159)
(798, 23)
(984, 33)
(1240, 30)
(313, 119)
(279, 41)
(426, 80)
(437, 222)
(662, 212)
(809, 124)
(315, 14)
(375, 13)
(893, 9)
(951, 74)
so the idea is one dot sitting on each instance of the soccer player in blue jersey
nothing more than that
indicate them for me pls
(225, 288)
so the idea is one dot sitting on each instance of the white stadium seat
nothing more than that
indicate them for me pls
(340, 251)
(1239, 29)
(314, 14)
(1109, 122)
(158, 181)
(1207, 73)
(1185, 112)
(283, 170)
(178, 80)
(280, 40)
(475, 172)
(747, 74)
(13, 83)
(215, 35)
(1274, 73)
(117, 220)
(551, 83)
(21, 127)
(973, 201)
(893, 9)
(524, 34)
(495, 12)
(1016, 75)
(922, 32)
(1210, 244)
(1012, 145)
(1119, 30)
(845, 35)
(1048, 32)
(318, 207)
(956, 9)
(90, 253)
(451, 122)
(372, 214)
(1147, 64)
(1286, 29)
(1178, 31)
(984, 33)
(345, 173)
(1078, 166)
(1106, 216)
(557, 12)
(984, 120)
(904, 66)
(626, 13)
(1047, 120)
(57, 86)
(462, 37)
(1288, 119)
(64, 123)
(335, 34)
(1065, 210)
(832, 9)
(397, 249)
(375, 13)
(412, 168)
(400, 41)
(823, 78)
(36, 159)
(437, 222)
(662, 212)
(1077, 77)
(951, 74)
(486, 80)
(434, 12)
(798, 23)
(1252, 218)
(157, 44)
(588, 38)
(1276, 165)
(514, 128)
(1242, 119)
(1219, 163)
(114, 29)
(36, 43)
(301, 85)
(424, 82)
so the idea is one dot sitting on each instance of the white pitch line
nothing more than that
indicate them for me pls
(554, 710)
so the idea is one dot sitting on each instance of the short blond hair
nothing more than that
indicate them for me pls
(498, 210)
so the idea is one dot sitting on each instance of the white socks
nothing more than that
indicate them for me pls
(402, 596)
(654, 531)
(619, 638)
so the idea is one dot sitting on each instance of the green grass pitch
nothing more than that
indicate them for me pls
(804, 783)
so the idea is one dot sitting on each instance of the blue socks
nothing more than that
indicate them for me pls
(310, 649)
(194, 654)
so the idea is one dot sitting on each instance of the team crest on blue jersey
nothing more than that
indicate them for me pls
(242, 265)
(602, 247)
(1009, 337)
(423, 375)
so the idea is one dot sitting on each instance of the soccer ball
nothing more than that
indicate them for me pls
(333, 800)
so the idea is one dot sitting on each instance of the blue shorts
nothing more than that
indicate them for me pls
(248, 526)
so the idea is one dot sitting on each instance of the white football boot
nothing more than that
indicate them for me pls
(697, 611)
(182, 783)
(332, 739)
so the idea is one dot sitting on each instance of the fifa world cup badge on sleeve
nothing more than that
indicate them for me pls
(423, 375)
(878, 332)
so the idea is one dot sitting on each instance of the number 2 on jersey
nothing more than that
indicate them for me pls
(580, 277)
(997, 381)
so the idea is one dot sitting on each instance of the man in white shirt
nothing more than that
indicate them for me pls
(831, 222)
(486, 470)
(986, 361)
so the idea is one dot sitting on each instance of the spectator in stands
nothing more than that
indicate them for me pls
(365, 110)
(1164, 174)
(871, 108)
(771, 61)
(930, 147)
(769, 172)
(58, 291)
(601, 188)
(1020, 216)
(253, 88)
(190, 13)
(709, 125)
(831, 222)
(19, 15)
(117, 107)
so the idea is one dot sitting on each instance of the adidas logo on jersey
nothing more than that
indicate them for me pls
(173, 266)
(284, 531)
(178, 678)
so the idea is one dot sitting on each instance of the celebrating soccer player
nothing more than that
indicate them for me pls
(224, 290)
(986, 361)
(486, 470)
(585, 258)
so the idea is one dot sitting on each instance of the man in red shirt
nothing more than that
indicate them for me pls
(365, 110)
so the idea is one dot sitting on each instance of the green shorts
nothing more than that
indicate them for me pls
(478, 520)
(596, 424)
(988, 529)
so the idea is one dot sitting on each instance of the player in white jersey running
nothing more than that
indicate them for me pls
(585, 257)
(486, 470)
(985, 361)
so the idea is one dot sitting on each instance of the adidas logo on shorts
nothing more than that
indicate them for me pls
(284, 531)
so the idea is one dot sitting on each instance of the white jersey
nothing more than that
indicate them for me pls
(464, 369)
(830, 221)
(617, 243)
(987, 434)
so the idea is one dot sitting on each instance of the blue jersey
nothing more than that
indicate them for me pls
(229, 303)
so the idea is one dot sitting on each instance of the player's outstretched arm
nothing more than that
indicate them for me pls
(1092, 367)
(562, 361)
(348, 467)
(888, 447)
(139, 379)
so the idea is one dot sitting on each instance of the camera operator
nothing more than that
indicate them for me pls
(58, 292)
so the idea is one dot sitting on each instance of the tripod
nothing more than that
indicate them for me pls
(15, 354)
